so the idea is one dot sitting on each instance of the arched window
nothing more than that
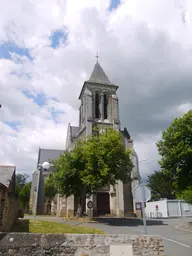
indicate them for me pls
(80, 117)
(105, 103)
(83, 108)
(97, 112)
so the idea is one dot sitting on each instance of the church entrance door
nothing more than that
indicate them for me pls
(103, 206)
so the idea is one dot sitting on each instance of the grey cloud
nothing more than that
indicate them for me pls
(152, 83)
(152, 70)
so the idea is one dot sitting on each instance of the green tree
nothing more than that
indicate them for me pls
(99, 161)
(50, 187)
(161, 185)
(175, 148)
(21, 180)
(186, 195)
(24, 196)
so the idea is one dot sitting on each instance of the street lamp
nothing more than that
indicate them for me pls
(143, 201)
(44, 166)
(140, 161)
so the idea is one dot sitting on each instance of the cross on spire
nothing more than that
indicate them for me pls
(97, 56)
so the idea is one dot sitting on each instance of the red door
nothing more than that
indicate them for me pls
(103, 206)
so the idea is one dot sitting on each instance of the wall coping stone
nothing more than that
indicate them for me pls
(57, 244)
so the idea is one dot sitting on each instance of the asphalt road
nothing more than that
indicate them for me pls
(176, 235)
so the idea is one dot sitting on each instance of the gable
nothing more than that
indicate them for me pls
(74, 131)
(6, 174)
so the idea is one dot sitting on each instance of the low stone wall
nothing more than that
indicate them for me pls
(9, 213)
(24, 244)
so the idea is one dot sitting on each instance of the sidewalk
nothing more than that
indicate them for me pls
(189, 226)
(185, 227)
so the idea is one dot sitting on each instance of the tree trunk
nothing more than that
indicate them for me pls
(79, 211)
(81, 205)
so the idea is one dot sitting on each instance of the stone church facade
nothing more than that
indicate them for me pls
(99, 107)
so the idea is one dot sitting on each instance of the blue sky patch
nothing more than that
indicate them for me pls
(113, 4)
(55, 114)
(14, 125)
(7, 48)
(39, 98)
(20, 74)
(58, 37)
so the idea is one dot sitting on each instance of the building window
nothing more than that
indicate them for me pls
(105, 103)
(97, 112)
(80, 117)
(83, 108)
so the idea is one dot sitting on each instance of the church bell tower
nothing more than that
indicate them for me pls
(99, 103)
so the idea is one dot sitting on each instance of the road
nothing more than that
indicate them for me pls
(176, 235)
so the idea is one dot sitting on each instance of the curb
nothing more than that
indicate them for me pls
(183, 227)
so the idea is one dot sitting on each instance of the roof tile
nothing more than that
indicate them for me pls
(98, 75)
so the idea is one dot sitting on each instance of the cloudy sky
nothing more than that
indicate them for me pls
(47, 50)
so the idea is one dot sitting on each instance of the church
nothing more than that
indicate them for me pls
(99, 108)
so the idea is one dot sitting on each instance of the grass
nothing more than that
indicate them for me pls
(80, 219)
(43, 227)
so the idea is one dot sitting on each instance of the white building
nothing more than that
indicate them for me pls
(168, 208)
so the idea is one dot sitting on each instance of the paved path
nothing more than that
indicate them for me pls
(175, 232)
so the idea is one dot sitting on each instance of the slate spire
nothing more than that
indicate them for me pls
(98, 75)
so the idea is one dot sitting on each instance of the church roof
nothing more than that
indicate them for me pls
(74, 131)
(126, 133)
(6, 174)
(98, 75)
(46, 155)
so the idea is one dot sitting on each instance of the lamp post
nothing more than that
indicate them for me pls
(143, 202)
(44, 166)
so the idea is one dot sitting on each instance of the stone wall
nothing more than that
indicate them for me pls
(9, 212)
(77, 245)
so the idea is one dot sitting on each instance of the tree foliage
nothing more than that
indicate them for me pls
(175, 148)
(23, 189)
(161, 185)
(21, 180)
(24, 195)
(99, 161)
(50, 188)
(186, 195)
